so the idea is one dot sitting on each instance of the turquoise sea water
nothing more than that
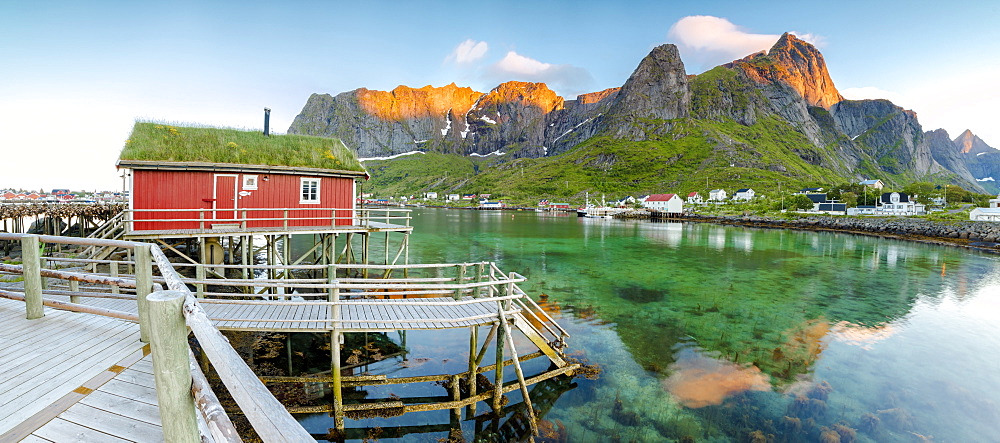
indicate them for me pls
(712, 333)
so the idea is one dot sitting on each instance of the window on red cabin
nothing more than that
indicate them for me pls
(309, 190)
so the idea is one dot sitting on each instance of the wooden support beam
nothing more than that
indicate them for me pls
(472, 378)
(338, 395)
(498, 372)
(171, 366)
(520, 375)
(482, 351)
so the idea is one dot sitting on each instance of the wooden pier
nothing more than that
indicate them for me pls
(334, 298)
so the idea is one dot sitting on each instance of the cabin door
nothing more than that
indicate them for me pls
(225, 198)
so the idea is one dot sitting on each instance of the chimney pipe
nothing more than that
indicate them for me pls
(267, 122)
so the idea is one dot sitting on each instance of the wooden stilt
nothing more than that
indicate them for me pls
(473, 345)
(338, 395)
(520, 375)
(498, 378)
(456, 395)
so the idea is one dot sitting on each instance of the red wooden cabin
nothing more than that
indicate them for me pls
(191, 178)
(185, 195)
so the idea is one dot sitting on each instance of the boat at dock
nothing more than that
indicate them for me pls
(602, 211)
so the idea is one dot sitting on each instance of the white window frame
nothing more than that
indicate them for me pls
(302, 191)
(250, 182)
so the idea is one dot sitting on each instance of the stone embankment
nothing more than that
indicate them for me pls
(975, 235)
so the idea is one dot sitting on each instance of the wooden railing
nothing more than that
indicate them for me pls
(245, 218)
(483, 281)
(164, 318)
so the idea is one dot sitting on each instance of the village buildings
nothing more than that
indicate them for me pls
(669, 203)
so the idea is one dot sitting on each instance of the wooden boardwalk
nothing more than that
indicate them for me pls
(357, 315)
(74, 377)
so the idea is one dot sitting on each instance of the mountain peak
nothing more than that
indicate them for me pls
(969, 143)
(405, 102)
(658, 88)
(527, 93)
(797, 63)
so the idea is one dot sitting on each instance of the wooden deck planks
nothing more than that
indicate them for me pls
(141, 411)
(63, 351)
(60, 430)
(125, 427)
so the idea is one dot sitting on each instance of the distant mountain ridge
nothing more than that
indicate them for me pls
(775, 112)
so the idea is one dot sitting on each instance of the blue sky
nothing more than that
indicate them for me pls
(75, 75)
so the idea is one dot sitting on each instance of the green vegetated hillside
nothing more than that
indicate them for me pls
(697, 155)
(765, 121)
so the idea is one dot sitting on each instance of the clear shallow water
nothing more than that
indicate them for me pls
(719, 333)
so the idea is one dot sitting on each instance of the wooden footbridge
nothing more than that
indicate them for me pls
(143, 298)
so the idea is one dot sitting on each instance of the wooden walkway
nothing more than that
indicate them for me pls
(74, 377)
(359, 316)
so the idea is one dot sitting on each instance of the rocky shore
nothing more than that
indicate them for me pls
(983, 236)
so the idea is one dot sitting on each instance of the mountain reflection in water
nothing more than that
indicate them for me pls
(707, 332)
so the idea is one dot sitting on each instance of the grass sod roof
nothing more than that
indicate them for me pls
(173, 143)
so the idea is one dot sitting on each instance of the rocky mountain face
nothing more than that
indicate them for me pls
(944, 153)
(982, 160)
(969, 143)
(655, 93)
(798, 64)
(786, 91)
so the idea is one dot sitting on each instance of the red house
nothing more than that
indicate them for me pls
(190, 178)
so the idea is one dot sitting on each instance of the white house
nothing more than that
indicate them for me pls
(995, 202)
(985, 214)
(670, 203)
(898, 203)
(694, 198)
(453, 197)
(717, 195)
(486, 204)
(430, 195)
(745, 194)
(874, 184)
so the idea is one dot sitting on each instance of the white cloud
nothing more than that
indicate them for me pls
(468, 52)
(567, 80)
(706, 41)
(515, 63)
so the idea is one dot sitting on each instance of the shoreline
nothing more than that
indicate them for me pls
(979, 236)
(974, 235)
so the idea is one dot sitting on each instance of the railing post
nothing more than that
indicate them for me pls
(199, 274)
(143, 286)
(478, 292)
(171, 366)
(74, 286)
(333, 293)
(32, 266)
(459, 280)
(42, 264)
(244, 221)
(113, 270)
(284, 219)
